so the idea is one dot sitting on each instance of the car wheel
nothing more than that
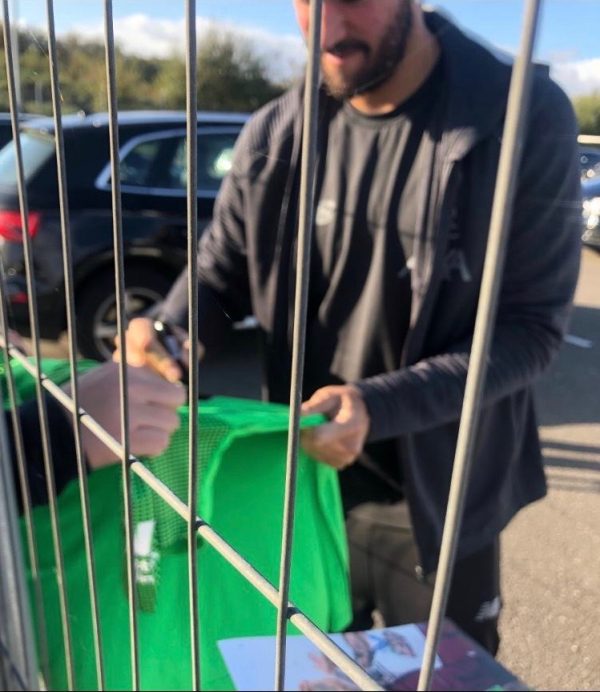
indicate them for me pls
(97, 307)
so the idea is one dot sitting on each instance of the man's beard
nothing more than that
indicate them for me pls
(390, 53)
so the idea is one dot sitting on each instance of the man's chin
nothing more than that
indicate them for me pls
(343, 90)
(340, 87)
(338, 90)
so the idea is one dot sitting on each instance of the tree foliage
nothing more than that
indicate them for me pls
(230, 77)
(588, 113)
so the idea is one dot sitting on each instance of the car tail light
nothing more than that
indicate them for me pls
(19, 298)
(11, 228)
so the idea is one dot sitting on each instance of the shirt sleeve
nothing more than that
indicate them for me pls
(223, 283)
(540, 276)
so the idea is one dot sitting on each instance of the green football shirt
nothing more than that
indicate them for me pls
(242, 450)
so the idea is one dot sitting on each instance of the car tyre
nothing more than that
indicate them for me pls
(96, 307)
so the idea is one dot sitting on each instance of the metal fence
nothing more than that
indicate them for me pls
(18, 656)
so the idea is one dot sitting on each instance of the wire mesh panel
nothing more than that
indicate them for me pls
(18, 664)
(192, 250)
(71, 331)
(306, 216)
(33, 316)
(111, 78)
(18, 661)
(518, 104)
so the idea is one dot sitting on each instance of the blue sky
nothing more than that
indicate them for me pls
(569, 31)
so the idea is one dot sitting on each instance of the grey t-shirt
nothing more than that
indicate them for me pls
(360, 294)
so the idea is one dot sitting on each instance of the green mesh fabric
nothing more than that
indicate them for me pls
(242, 449)
(223, 421)
(57, 370)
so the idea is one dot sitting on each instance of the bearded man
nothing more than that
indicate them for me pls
(411, 115)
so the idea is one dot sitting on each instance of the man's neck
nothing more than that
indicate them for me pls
(422, 54)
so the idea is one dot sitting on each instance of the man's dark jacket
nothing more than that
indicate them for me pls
(246, 265)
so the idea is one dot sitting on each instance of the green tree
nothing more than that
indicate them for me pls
(169, 85)
(588, 113)
(231, 77)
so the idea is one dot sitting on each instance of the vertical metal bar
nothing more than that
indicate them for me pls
(192, 252)
(71, 331)
(4, 683)
(121, 317)
(23, 481)
(510, 157)
(14, 29)
(13, 575)
(309, 155)
(33, 317)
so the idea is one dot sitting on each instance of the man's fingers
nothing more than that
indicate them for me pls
(329, 448)
(142, 415)
(139, 337)
(143, 348)
(344, 449)
(330, 432)
(339, 441)
(325, 400)
(149, 441)
(158, 360)
(152, 410)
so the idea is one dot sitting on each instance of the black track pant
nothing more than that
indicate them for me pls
(385, 577)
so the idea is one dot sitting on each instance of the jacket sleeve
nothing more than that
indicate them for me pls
(223, 289)
(540, 276)
(62, 449)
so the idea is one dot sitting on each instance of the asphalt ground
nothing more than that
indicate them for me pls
(551, 552)
(550, 624)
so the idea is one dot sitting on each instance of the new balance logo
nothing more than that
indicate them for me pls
(489, 610)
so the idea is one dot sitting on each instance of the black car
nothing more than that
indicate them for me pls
(6, 125)
(591, 213)
(153, 185)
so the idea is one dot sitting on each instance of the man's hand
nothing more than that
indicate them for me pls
(143, 348)
(152, 411)
(340, 441)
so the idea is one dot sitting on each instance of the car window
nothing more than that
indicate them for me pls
(161, 163)
(590, 163)
(36, 149)
(215, 154)
(137, 165)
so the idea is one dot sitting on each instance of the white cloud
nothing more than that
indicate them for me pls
(578, 77)
(141, 35)
(284, 54)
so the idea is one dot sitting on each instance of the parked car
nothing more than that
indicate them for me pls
(153, 185)
(591, 213)
(589, 159)
(6, 125)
